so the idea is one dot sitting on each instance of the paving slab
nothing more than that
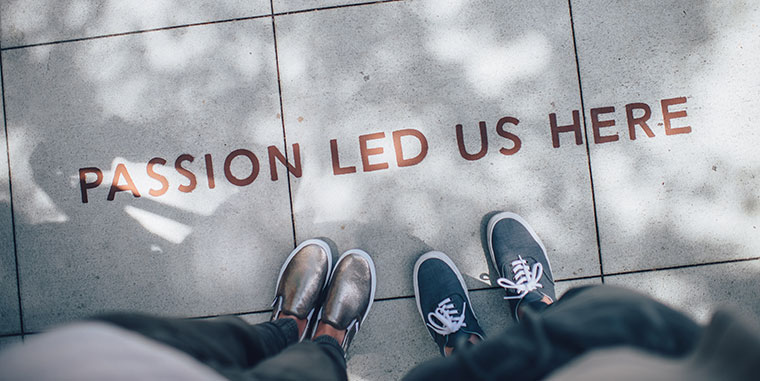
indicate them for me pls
(394, 338)
(26, 22)
(700, 290)
(202, 239)
(354, 78)
(9, 312)
(691, 192)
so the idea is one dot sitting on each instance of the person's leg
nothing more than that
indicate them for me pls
(226, 344)
(551, 334)
(348, 301)
(584, 319)
(320, 359)
(240, 351)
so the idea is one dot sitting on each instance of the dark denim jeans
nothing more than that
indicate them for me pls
(240, 351)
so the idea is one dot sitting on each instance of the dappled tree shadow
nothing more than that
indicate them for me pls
(344, 73)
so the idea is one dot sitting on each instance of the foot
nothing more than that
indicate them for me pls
(349, 297)
(520, 258)
(302, 279)
(444, 303)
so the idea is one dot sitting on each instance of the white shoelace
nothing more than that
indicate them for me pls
(526, 279)
(444, 319)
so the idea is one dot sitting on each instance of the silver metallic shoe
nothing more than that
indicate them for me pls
(302, 279)
(350, 295)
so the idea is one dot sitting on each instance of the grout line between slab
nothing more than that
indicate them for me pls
(684, 266)
(585, 133)
(10, 194)
(233, 314)
(236, 19)
(333, 7)
(137, 32)
(282, 121)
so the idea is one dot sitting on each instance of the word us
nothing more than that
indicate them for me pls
(637, 119)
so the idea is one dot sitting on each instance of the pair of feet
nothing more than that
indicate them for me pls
(336, 302)
(519, 257)
(323, 300)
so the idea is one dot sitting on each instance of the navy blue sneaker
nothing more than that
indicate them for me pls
(443, 302)
(520, 258)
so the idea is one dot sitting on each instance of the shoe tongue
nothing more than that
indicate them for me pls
(527, 257)
(506, 271)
